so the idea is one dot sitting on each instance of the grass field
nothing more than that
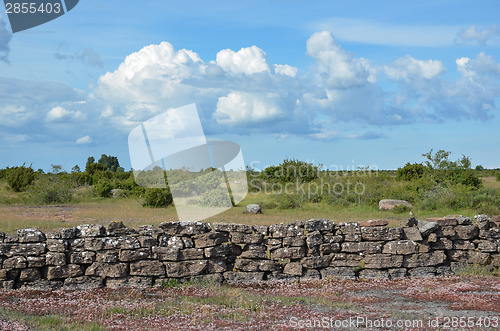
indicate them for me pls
(15, 214)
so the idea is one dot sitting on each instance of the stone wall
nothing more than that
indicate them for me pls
(92, 256)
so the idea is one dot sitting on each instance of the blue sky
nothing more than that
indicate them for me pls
(338, 83)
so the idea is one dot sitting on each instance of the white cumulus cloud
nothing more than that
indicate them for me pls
(409, 69)
(60, 114)
(249, 60)
(337, 67)
(239, 107)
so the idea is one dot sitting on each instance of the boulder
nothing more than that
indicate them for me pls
(388, 204)
(253, 209)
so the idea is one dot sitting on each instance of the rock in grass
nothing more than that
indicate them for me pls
(388, 204)
(253, 209)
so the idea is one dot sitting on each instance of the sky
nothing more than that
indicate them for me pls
(343, 84)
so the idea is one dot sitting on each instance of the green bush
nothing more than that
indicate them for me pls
(497, 176)
(103, 188)
(20, 178)
(53, 188)
(401, 209)
(157, 197)
(410, 171)
(290, 171)
(215, 198)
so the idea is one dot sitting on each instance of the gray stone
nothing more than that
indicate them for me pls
(57, 272)
(389, 204)
(90, 230)
(413, 234)
(346, 260)
(130, 282)
(83, 257)
(293, 253)
(382, 261)
(184, 228)
(442, 243)
(147, 241)
(316, 261)
(210, 239)
(253, 209)
(216, 265)
(254, 252)
(42, 285)
(314, 239)
(55, 258)
(191, 254)
(217, 251)
(35, 261)
(186, 268)
(373, 274)
(256, 265)
(338, 272)
(15, 262)
(294, 241)
(127, 255)
(366, 247)
(424, 259)
(107, 256)
(351, 231)
(83, 283)
(487, 246)
(246, 238)
(463, 245)
(114, 270)
(378, 233)
(146, 268)
(319, 225)
(293, 269)
(401, 247)
(29, 275)
(239, 277)
(422, 272)
(427, 227)
(30, 235)
(57, 245)
(397, 273)
(165, 253)
(467, 231)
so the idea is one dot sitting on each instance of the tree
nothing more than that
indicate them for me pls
(109, 162)
(20, 178)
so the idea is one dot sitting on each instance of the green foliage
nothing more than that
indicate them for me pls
(216, 198)
(401, 209)
(103, 187)
(443, 170)
(157, 197)
(497, 176)
(20, 178)
(110, 163)
(290, 171)
(411, 171)
(52, 188)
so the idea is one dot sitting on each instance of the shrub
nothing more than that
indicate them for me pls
(497, 176)
(20, 178)
(411, 171)
(216, 198)
(52, 189)
(401, 209)
(291, 171)
(103, 188)
(157, 197)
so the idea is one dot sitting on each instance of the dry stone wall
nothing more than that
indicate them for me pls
(93, 256)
